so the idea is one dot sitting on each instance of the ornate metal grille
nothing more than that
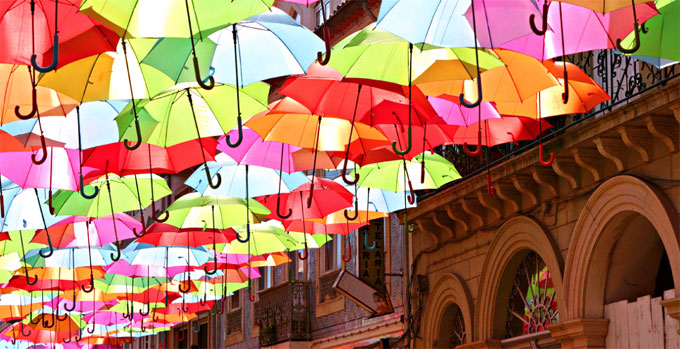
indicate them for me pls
(532, 303)
(457, 328)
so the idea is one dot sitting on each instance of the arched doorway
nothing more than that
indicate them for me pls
(447, 320)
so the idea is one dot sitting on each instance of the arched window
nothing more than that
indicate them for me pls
(532, 299)
(452, 328)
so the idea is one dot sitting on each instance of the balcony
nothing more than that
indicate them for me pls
(283, 313)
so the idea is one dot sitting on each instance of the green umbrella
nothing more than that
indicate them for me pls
(193, 210)
(390, 175)
(660, 39)
(121, 190)
(378, 55)
(265, 238)
(126, 192)
(168, 120)
(151, 19)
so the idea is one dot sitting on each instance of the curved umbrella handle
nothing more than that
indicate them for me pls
(238, 236)
(409, 227)
(82, 189)
(251, 296)
(55, 54)
(372, 247)
(304, 256)
(349, 254)
(89, 288)
(185, 307)
(46, 321)
(134, 230)
(408, 146)
(49, 202)
(51, 249)
(138, 130)
(565, 94)
(540, 156)
(544, 24)
(62, 317)
(221, 309)
(145, 313)
(411, 194)
(155, 315)
(209, 177)
(327, 42)
(356, 211)
(636, 44)
(489, 187)
(44, 152)
(34, 107)
(200, 81)
(213, 271)
(77, 338)
(73, 306)
(197, 328)
(143, 329)
(514, 141)
(116, 257)
(155, 216)
(185, 290)
(278, 209)
(344, 171)
(28, 279)
(93, 326)
(476, 103)
(202, 301)
(240, 134)
(22, 330)
(37, 320)
(477, 151)
(127, 340)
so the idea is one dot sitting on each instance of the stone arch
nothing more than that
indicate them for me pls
(595, 234)
(449, 289)
(513, 241)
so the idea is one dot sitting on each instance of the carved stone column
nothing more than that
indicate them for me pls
(580, 333)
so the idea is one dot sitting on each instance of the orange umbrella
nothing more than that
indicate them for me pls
(585, 95)
(17, 96)
(521, 77)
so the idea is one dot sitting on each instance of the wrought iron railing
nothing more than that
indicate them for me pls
(624, 78)
(283, 313)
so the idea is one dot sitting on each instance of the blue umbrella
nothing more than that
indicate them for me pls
(233, 179)
(270, 45)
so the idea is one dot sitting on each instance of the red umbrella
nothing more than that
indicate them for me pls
(77, 231)
(330, 197)
(123, 162)
(159, 234)
(324, 92)
(27, 27)
(500, 131)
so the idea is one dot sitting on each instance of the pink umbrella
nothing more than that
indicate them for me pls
(585, 29)
(59, 169)
(454, 114)
(76, 231)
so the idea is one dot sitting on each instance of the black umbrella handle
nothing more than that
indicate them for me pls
(55, 47)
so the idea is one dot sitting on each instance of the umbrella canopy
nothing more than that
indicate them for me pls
(122, 191)
(499, 131)
(25, 32)
(448, 23)
(390, 175)
(193, 210)
(131, 18)
(265, 238)
(76, 231)
(658, 40)
(233, 179)
(306, 202)
(16, 90)
(269, 45)
(356, 56)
